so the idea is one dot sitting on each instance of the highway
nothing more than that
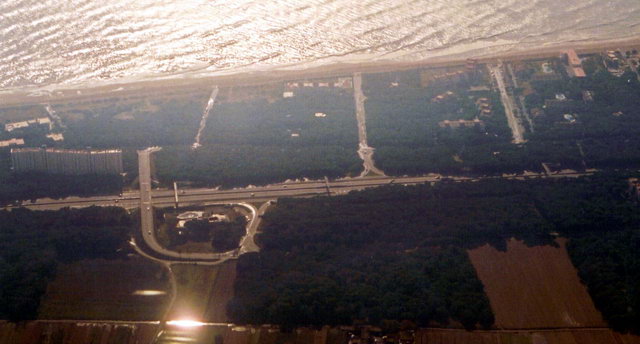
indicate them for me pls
(145, 197)
(148, 229)
(164, 198)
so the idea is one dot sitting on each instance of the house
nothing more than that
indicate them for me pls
(461, 123)
(287, 94)
(16, 142)
(56, 137)
(191, 215)
(23, 124)
(15, 125)
(218, 218)
(344, 83)
(575, 64)
(570, 118)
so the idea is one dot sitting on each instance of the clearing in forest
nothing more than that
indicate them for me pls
(534, 287)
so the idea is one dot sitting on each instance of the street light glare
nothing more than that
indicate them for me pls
(185, 323)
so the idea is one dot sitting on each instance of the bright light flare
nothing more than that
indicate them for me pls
(149, 292)
(185, 323)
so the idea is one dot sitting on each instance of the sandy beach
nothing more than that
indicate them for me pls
(56, 95)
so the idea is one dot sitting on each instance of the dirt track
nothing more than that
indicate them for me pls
(535, 287)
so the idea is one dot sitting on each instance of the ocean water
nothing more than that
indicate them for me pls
(71, 42)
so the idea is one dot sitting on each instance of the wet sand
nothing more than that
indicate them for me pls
(179, 84)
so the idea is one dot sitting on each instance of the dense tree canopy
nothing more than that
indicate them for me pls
(398, 253)
(33, 242)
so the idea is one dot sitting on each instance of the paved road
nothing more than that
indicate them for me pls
(248, 244)
(507, 101)
(365, 152)
(146, 204)
(205, 115)
(148, 229)
(131, 200)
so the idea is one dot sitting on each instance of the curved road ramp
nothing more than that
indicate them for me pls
(247, 243)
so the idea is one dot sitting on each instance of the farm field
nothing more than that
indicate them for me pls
(543, 289)
(564, 336)
(106, 290)
(203, 291)
(142, 333)
(73, 333)
(194, 285)
(221, 293)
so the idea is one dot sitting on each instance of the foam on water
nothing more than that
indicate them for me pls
(52, 42)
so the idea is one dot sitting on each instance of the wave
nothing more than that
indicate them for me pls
(44, 43)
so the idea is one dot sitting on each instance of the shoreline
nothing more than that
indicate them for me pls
(167, 84)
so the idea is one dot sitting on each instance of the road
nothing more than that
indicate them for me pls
(148, 229)
(205, 115)
(520, 103)
(145, 198)
(507, 101)
(365, 152)
(131, 200)
(248, 244)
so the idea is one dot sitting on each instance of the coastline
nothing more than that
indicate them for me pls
(184, 82)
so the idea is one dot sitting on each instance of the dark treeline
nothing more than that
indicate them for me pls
(259, 142)
(398, 253)
(595, 118)
(610, 266)
(250, 142)
(237, 165)
(402, 125)
(273, 123)
(32, 243)
(144, 123)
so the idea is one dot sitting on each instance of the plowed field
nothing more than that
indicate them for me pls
(107, 290)
(534, 287)
(77, 333)
(222, 293)
(203, 291)
(568, 336)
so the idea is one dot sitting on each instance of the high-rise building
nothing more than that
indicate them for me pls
(67, 161)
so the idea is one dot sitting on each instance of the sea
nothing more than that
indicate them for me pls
(62, 43)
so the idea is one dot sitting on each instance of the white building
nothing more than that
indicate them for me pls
(16, 142)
